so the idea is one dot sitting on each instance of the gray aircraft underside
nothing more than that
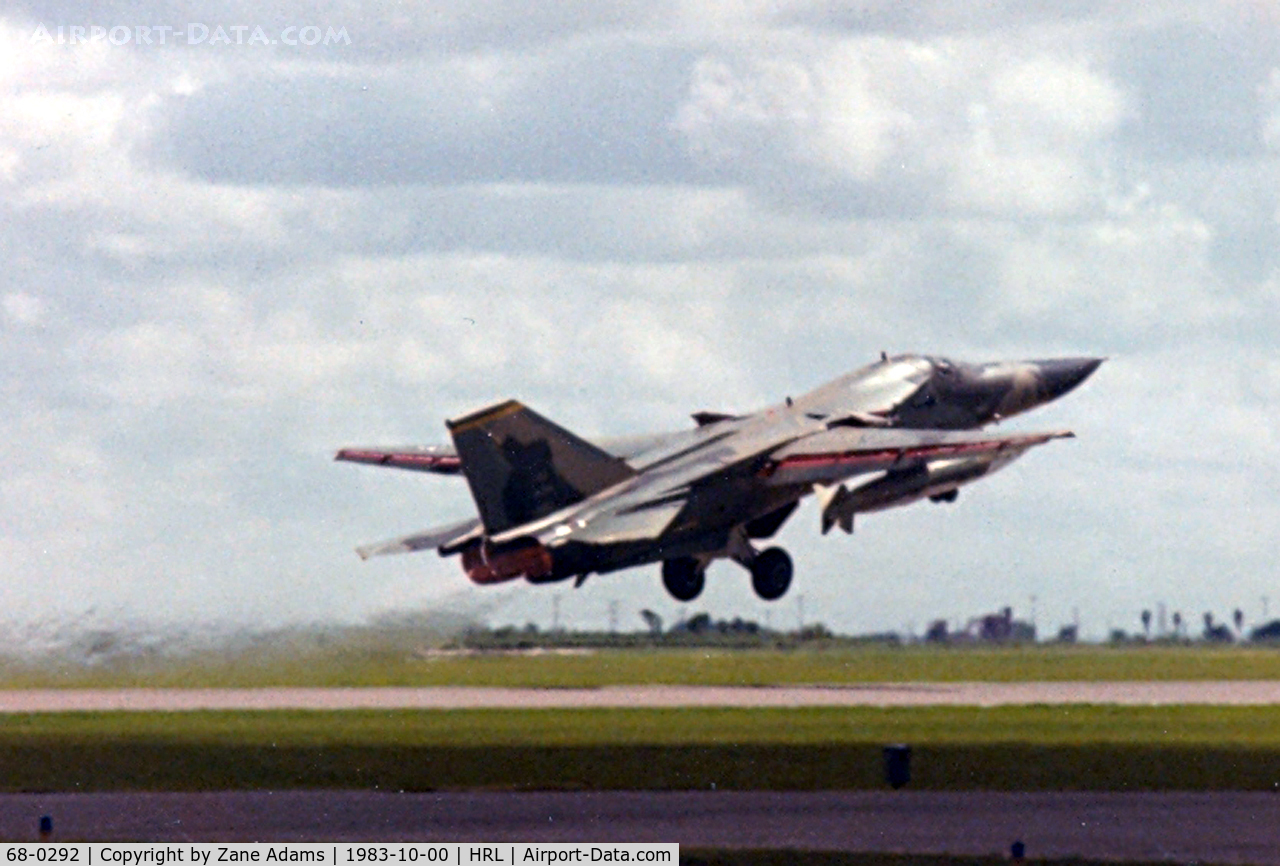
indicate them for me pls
(553, 506)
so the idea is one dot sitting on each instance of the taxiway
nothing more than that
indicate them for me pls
(1217, 827)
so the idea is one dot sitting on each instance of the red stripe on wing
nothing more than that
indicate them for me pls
(854, 458)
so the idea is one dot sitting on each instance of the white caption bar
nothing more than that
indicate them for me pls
(344, 854)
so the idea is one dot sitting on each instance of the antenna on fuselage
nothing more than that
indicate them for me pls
(884, 356)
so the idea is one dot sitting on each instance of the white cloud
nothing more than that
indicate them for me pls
(149, 364)
(1061, 100)
(23, 309)
(1138, 277)
(825, 113)
(997, 129)
(1270, 97)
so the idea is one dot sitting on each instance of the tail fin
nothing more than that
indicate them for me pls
(521, 467)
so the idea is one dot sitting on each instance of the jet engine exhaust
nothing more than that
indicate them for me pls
(485, 564)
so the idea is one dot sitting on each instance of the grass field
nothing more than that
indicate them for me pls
(400, 664)
(1008, 748)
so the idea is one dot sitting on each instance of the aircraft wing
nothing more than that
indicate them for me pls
(842, 452)
(428, 538)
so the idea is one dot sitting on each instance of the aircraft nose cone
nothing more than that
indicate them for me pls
(1060, 375)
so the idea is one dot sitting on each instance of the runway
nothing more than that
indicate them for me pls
(1213, 692)
(449, 697)
(1222, 827)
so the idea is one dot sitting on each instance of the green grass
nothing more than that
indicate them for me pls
(1039, 725)
(402, 665)
(1007, 748)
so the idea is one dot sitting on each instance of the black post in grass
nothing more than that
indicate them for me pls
(46, 826)
(897, 765)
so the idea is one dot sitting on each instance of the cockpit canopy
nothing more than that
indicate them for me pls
(938, 393)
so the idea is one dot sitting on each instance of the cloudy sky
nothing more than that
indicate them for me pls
(223, 260)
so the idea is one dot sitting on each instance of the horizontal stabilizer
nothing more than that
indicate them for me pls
(435, 537)
(440, 459)
(522, 467)
(646, 524)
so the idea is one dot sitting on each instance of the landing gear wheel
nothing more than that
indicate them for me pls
(950, 496)
(683, 577)
(771, 573)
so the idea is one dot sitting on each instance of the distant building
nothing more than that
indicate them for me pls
(991, 628)
(1001, 628)
(1268, 632)
(1216, 632)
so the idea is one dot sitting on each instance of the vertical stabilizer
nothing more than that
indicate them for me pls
(521, 467)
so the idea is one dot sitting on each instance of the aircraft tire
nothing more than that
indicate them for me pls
(683, 577)
(771, 573)
(950, 496)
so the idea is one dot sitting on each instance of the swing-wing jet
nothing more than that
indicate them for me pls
(553, 506)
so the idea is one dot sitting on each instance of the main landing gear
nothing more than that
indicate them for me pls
(684, 577)
(771, 573)
(771, 570)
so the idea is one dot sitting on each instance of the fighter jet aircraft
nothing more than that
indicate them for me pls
(553, 506)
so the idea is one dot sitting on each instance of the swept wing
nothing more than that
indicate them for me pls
(837, 454)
